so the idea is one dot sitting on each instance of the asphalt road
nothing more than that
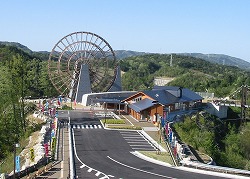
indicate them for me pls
(105, 154)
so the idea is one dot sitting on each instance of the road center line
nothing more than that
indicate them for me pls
(151, 173)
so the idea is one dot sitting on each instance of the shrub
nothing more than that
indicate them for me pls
(113, 121)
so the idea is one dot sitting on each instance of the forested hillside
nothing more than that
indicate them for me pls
(21, 75)
(193, 73)
(225, 141)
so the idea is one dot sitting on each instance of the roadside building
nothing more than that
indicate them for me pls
(162, 102)
(110, 100)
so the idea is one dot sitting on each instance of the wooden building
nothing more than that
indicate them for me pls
(161, 102)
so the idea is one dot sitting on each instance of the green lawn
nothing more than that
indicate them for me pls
(161, 156)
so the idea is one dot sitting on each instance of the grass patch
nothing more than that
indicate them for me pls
(113, 121)
(161, 156)
(66, 107)
(125, 127)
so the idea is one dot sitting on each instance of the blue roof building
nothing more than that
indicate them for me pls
(161, 102)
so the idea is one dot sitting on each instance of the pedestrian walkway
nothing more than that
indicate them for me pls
(60, 169)
(147, 126)
(137, 141)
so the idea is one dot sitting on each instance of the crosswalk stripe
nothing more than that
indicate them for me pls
(82, 126)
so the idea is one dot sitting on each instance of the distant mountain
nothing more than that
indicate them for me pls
(221, 59)
(213, 58)
(121, 54)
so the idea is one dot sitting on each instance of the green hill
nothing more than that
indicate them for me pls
(221, 59)
(190, 72)
(17, 45)
(122, 54)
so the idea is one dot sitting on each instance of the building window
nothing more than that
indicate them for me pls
(137, 99)
(191, 104)
(178, 105)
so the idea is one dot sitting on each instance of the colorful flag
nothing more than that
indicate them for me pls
(162, 122)
(167, 128)
(46, 147)
(47, 105)
(170, 135)
(60, 100)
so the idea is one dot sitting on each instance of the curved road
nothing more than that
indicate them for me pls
(105, 154)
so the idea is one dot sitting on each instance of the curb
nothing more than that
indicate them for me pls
(144, 157)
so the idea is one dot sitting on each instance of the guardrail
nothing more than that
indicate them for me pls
(71, 154)
(198, 165)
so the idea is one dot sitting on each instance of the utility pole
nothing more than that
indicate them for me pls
(243, 104)
(171, 60)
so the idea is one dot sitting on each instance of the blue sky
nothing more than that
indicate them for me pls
(158, 26)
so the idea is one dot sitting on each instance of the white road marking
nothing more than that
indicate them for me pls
(151, 173)
(137, 142)
(84, 165)
(97, 173)
(134, 137)
(90, 170)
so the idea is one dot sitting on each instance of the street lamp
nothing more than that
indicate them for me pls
(15, 146)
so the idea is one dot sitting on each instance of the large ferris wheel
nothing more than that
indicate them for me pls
(82, 55)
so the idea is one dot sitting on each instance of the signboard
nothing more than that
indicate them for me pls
(32, 155)
(53, 147)
(18, 163)
(53, 143)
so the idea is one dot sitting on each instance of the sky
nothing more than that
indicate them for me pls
(155, 26)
